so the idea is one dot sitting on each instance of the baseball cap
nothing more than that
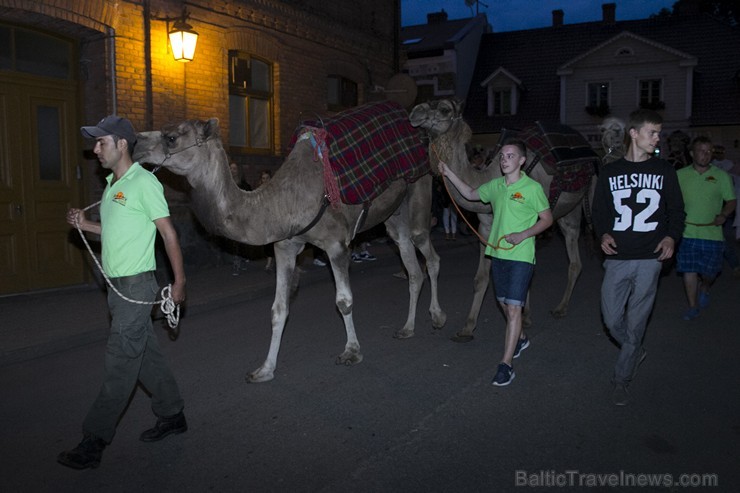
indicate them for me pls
(111, 125)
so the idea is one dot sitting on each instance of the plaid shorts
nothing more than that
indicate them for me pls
(700, 256)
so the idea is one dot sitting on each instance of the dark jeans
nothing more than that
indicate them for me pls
(132, 354)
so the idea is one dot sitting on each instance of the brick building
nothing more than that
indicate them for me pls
(260, 66)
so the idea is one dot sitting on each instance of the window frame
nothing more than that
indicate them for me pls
(250, 94)
(345, 87)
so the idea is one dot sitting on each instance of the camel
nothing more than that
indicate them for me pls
(288, 211)
(612, 139)
(448, 134)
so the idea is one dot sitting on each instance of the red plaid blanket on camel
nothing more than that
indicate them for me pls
(368, 147)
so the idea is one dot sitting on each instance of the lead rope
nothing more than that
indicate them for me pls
(497, 246)
(169, 308)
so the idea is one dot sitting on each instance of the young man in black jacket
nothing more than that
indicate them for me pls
(638, 215)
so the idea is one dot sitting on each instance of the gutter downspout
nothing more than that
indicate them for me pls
(113, 87)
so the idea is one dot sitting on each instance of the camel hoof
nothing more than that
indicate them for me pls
(349, 359)
(559, 313)
(461, 338)
(404, 334)
(259, 377)
(439, 321)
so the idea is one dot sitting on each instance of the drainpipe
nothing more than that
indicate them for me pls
(113, 89)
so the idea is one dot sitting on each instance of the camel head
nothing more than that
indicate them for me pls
(612, 133)
(448, 132)
(436, 117)
(181, 148)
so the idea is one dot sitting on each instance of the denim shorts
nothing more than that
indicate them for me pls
(511, 279)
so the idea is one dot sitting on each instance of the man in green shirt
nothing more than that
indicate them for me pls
(133, 209)
(521, 211)
(709, 198)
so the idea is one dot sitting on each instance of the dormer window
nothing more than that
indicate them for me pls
(503, 93)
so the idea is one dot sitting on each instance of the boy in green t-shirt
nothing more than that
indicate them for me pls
(521, 212)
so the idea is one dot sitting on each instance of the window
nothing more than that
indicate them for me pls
(35, 53)
(598, 94)
(341, 94)
(650, 92)
(250, 102)
(502, 102)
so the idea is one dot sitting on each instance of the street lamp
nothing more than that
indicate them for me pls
(183, 40)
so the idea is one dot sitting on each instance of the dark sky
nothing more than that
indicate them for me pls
(514, 15)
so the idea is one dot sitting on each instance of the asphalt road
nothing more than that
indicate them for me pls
(417, 415)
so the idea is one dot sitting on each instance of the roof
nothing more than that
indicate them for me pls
(534, 56)
(437, 36)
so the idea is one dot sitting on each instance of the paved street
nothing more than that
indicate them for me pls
(417, 415)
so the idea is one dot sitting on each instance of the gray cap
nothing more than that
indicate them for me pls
(111, 125)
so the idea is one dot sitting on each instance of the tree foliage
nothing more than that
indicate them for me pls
(727, 10)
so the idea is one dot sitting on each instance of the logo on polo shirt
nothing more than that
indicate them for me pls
(711, 179)
(119, 198)
(517, 197)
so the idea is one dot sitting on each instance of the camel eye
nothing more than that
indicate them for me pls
(170, 140)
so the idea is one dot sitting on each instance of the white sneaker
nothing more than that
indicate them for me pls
(319, 263)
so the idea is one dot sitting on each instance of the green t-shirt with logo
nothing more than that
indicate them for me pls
(516, 207)
(128, 210)
(704, 195)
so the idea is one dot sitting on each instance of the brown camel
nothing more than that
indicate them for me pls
(281, 210)
(449, 133)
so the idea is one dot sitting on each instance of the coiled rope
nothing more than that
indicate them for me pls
(169, 308)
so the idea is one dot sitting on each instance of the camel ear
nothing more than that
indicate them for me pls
(211, 128)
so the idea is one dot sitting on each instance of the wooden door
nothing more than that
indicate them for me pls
(38, 182)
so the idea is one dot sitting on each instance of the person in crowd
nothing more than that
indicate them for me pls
(522, 212)
(709, 199)
(133, 209)
(728, 228)
(638, 217)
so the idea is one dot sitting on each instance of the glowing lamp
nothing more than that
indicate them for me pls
(183, 40)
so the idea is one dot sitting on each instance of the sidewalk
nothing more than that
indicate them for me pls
(40, 323)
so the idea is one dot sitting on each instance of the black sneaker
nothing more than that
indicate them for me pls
(504, 375)
(85, 455)
(165, 426)
(521, 345)
(367, 256)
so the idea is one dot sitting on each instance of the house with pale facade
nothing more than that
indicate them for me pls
(687, 67)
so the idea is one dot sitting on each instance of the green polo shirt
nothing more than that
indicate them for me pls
(516, 207)
(704, 196)
(127, 213)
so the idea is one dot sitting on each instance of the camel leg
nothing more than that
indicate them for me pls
(339, 258)
(570, 225)
(480, 286)
(424, 244)
(480, 282)
(286, 252)
(399, 233)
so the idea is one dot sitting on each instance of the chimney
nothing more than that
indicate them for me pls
(557, 18)
(437, 17)
(609, 11)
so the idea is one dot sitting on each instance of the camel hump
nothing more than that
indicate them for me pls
(371, 146)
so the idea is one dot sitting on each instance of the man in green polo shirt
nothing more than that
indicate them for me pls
(521, 212)
(133, 209)
(709, 198)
